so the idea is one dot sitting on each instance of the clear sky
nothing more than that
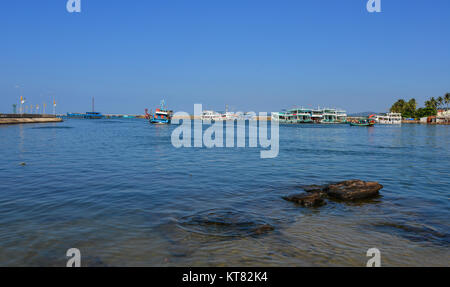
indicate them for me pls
(259, 55)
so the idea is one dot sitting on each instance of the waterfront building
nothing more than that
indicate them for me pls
(444, 113)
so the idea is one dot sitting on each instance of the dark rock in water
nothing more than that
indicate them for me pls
(345, 190)
(23, 164)
(307, 200)
(353, 189)
(313, 188)
(225, 223)
(263, 229)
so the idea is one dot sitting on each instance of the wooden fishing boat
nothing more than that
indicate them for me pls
(162, 116)
(368, 124)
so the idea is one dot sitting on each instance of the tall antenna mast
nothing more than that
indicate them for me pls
(93, 105)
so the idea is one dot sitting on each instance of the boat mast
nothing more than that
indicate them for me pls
(93, 104)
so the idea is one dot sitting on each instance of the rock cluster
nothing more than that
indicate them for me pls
(353, 189)
(346, 190)
(307, 200)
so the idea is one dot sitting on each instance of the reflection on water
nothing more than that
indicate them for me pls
(119, 191)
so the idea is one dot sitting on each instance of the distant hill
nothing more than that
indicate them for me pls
(362, 114)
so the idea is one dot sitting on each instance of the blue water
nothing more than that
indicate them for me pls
(122, 194)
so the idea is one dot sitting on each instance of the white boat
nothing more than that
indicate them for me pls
(211, 116)
(319, 115)
(389, 119)
(229, 116)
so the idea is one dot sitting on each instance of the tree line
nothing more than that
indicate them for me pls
(409, 109)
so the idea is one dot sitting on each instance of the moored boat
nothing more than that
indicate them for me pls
(360, 124)
(304, 116)
(369, 122)
(389, 119)
(88, 115)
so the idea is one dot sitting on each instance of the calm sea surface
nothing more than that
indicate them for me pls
(122, 194)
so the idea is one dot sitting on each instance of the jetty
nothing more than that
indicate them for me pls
(10, 119)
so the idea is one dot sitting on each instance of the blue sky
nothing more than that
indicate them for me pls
(260, 55)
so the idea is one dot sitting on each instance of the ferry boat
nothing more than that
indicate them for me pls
(334, 116)
(305, 116)
(389, 119)
(162, 116)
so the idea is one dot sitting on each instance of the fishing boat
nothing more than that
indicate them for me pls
(362, 124)
(369, 122)
(162, 116)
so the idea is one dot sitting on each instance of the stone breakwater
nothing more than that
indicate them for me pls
(11, 121)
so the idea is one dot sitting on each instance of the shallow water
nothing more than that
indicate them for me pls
(122, 194)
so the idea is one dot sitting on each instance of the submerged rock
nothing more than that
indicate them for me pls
(263, 229)
(353, 189)
(308, 200)
(415, 232)
(225, 223)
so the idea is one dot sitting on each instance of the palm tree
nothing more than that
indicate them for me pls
(440, 102)
(433, 103)
(410, 108)
(447, 99)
